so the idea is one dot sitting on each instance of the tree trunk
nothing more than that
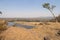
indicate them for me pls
(53, 15)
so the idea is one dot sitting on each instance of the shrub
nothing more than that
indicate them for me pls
(3, 25)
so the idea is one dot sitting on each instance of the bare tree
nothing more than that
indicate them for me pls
(50, 8)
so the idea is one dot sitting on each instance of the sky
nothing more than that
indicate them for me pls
(27, 8)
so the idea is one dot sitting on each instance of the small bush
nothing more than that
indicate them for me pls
(40, 24)
(3, 25)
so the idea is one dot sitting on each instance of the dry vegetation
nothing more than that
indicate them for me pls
(3, 25)
(41, 31)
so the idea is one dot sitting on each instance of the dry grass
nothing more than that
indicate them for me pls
(15, 33)
(2, 25)
(42, 31)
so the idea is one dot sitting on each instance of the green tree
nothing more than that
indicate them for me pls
(50, 8)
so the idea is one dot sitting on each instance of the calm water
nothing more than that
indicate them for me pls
(20, 25)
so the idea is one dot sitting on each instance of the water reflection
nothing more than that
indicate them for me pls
(19, 25)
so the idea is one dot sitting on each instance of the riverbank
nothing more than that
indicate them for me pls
(49, 31)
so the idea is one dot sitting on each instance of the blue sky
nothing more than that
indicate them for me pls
(27, 8)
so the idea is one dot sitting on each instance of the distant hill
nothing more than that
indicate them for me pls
(29, 19)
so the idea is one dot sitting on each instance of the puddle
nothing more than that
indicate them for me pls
(20, 25)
